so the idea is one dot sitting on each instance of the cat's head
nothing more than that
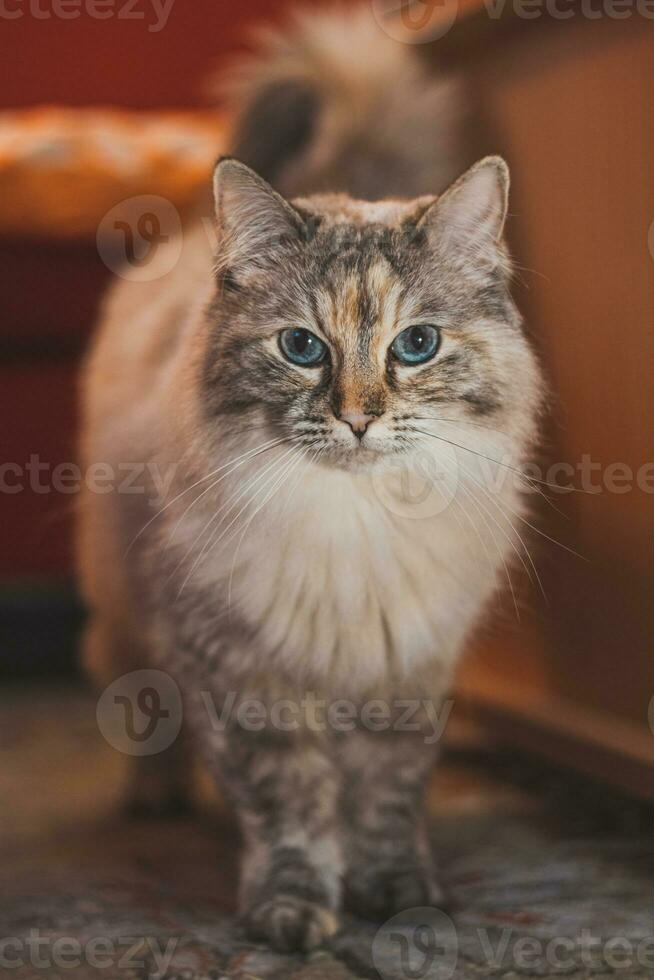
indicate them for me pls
(350, 327)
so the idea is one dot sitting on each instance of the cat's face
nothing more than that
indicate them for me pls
(348, 328)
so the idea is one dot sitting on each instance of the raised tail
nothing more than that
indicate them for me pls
(332, 103)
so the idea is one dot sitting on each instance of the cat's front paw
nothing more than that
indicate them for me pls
(291, 924)
(376, 893)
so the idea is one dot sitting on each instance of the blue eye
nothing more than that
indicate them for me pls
(415, 345)
(302, 347)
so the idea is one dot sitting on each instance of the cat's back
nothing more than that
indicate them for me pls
(141, 326)
(126, 386)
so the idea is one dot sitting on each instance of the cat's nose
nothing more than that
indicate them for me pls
(357, 421)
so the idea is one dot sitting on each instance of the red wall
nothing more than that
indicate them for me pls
(49, 292)
(120, 60)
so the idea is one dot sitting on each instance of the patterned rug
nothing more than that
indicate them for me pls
(548, 876)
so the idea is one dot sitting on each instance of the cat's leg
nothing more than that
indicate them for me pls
(160, 785)
(389, 866)
(286, 791)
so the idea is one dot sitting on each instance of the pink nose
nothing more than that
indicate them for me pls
(357, 421)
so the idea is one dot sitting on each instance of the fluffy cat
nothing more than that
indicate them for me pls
(290, 378)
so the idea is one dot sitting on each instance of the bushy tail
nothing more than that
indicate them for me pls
(335, 104)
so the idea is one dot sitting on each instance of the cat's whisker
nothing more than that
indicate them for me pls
(211, 540)
(500, 552)
(523, 519)
(275, 480)
(530, 480)
(470, 521)
(501, 529)
(479, 508)
(506, 506)
(284, 477)
(499, 507)
(275, 466)
(498, 462)
(302, 472)
(494, 502)
(225, 509)
(251, 453)
(439, 418)
(212, 486)
(234, 497)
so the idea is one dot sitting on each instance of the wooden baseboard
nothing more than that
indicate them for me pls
(592, 741)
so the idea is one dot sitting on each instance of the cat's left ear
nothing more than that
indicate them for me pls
(254, 222)
(470, 215)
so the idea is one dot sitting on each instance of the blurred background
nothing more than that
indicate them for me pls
(103, 102)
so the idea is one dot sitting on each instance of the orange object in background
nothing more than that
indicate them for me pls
(62, 169)
(138, 127)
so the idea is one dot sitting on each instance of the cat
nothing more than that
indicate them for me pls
(326, 347)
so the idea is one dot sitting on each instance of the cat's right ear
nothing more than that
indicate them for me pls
(468, 218)
(254, 222)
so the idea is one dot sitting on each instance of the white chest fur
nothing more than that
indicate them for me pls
(355, 577)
